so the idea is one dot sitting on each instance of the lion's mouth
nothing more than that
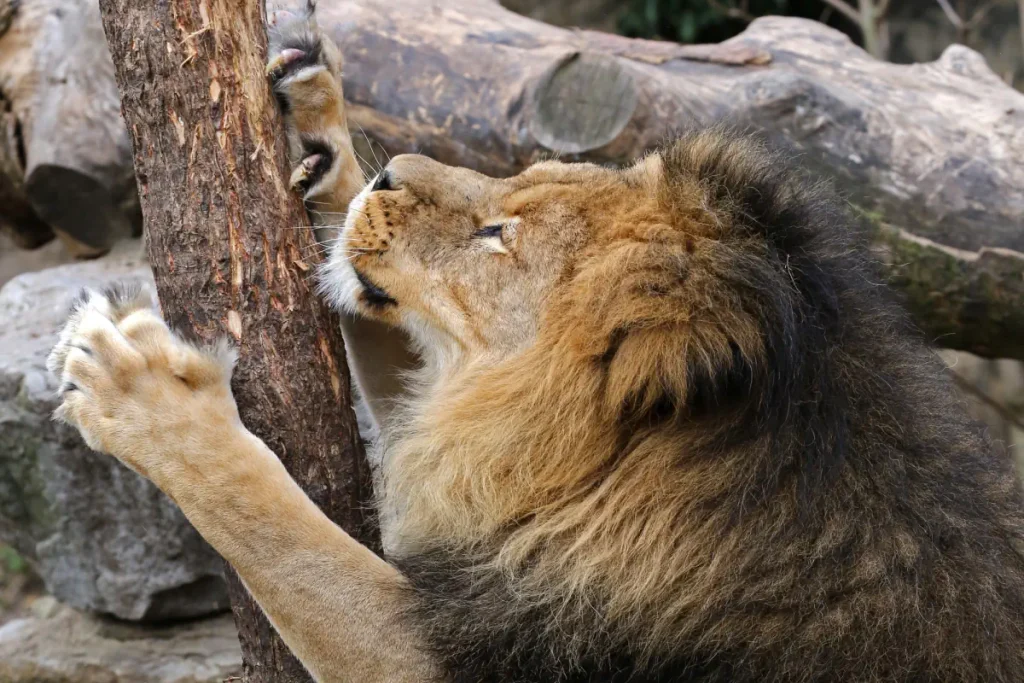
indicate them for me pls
(373, 295)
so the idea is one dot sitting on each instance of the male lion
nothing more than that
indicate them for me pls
(665, 426)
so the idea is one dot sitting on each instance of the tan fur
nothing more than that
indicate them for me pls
(463, 464)
(165, 409)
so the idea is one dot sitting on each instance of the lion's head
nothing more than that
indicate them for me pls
(583, 310)
(664, 273)
(465, 263)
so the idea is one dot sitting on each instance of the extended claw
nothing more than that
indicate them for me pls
(285, 58)
(306, 172)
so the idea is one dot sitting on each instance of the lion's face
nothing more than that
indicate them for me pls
(465, 263)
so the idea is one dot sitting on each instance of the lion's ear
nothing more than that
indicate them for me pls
(673, 328)
(680, 371)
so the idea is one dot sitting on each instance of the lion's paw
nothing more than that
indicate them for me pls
(304, 67)
(134, 389)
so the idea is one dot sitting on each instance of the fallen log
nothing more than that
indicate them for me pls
(970, 301)
(932, 148)
(67, 162)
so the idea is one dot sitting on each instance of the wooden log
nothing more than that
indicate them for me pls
(78, 173)
(935, 148)
(970, 301)
(73, 168)
(210, 157)
(17, 217)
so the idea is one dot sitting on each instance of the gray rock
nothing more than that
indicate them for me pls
(70, 647)
(103, 538)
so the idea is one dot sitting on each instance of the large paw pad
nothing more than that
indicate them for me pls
(125, 377)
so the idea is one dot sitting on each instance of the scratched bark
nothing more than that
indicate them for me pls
(210, 167)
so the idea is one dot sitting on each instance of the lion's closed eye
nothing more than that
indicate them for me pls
(497, 236)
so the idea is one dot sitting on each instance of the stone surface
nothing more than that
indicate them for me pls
(71, 647)
(103, 538)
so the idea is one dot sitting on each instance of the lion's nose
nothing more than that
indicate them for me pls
(384, 182)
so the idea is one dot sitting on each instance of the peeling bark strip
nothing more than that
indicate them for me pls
(211, 164)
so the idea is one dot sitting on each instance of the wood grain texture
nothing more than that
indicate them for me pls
(233, 255)
(937, 148)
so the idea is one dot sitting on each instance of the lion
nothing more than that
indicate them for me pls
(656, 423)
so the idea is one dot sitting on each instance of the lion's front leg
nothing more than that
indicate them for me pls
(165, 409)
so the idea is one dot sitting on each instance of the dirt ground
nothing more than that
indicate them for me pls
(15, 261)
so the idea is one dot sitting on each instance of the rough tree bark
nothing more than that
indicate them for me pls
(211, 171)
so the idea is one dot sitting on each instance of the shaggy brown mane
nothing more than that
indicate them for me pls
(726, 458)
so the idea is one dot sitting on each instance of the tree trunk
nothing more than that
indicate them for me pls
(233, 255)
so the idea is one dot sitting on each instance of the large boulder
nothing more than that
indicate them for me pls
(103, 538)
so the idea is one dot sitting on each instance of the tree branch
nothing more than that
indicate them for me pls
(979, 15)
(845, 9)
(1020, 13)
(951, 14)
(732, 12)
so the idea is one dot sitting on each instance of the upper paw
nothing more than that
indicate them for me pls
(305, 69)
(298, 52)
(131, 387)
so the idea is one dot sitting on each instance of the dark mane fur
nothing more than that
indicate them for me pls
(872, 532)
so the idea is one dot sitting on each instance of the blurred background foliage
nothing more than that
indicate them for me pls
(712, 21)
